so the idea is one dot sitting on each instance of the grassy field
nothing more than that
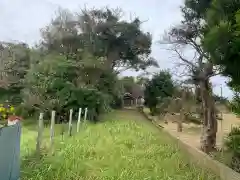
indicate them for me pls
(123, 147)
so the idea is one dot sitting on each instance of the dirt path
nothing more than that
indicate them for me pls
(191, 132)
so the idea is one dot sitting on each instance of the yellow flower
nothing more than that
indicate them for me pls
(1, 109)
(11, 109)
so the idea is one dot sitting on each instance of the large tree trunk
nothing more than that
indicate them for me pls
(209, 128)
(199, 104)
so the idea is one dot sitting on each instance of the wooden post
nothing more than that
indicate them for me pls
(40, 133)
(70, 123)
(79, 118)
(62, 130)
(85, 114)
(52, 130)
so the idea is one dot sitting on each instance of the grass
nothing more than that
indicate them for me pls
(123, 147)
(224, 157)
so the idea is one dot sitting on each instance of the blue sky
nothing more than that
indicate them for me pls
(21, 20)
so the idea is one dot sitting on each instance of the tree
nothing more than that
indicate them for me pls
(77, 62)
(103, 34)
(103, 43)
(188, 37)
(141, 80)
(128, 82)
(59, 83)
(158, 88)
(15, 62)
(221, 41)
(45, 80)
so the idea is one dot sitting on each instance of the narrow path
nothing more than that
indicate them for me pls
(191, 132)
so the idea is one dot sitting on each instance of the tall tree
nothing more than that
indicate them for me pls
(186, 38)
(102, 33)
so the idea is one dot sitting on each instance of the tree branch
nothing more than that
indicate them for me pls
(184, 59)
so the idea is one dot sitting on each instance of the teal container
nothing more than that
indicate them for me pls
(10, 152)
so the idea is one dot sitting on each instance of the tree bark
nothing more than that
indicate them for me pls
(199, 108)
(209, 126)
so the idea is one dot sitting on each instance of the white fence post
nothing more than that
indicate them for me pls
(52, 129)
(85, 114)
(40, 133)
(79, 118)
(70, 123)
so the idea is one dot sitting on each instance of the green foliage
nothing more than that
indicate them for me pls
(26, 112)
(157, 89)
(15, 61)
(103, 34)
(110, 84)
(76, 63)
(96, 102)
(233, 145)
(128, 82)
(222, 37)
(53, 84)
(195, 9)
(235, 103)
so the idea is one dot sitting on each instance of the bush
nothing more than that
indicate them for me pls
(157, 90)
(234, 105)
(117, 102)
(233, 144)
(96, 102)
(25, 112)
(55, 84)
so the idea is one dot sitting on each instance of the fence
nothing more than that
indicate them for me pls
(10, 152)
(70, 127)
(10, 143)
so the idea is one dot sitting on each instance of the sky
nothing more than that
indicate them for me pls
(21, 20)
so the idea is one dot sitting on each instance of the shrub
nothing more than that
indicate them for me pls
(59, 84)
(25, 112)
(96, 102)
(233, 144)
(157, 89)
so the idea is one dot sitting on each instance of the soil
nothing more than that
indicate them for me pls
(191, 132)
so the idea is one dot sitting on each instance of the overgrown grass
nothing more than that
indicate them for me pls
(123, 147)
